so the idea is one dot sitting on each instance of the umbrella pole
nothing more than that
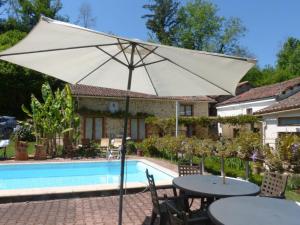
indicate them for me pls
(123, 149)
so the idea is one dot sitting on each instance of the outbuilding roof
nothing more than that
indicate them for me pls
(263, 92)
(292, 102)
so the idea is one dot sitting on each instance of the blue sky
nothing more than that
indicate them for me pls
(268, 22)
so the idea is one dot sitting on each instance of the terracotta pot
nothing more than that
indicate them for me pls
(139, 152)
(21, 150)
(40, 152)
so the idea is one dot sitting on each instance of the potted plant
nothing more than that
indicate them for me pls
(41, 149)
(21, 136)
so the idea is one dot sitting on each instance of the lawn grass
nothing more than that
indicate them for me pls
(292, 195)
(10, 150)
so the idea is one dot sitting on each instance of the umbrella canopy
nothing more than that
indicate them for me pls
(82, 56)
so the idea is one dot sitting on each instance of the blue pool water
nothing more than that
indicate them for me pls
(27, 176)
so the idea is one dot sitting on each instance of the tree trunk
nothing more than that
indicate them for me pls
(222, 167)
(202, 166)
(247, 169)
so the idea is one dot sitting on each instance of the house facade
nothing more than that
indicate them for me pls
(101, 111)
(281, 118)
(256, 101)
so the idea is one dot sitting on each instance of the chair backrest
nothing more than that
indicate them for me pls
(153, 191)
(184, 170)
(104, 142)
(117, 142)
(273, 184)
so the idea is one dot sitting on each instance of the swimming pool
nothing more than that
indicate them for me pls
(72, 175)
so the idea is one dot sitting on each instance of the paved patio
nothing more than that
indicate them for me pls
(82, 211)
(79, 211)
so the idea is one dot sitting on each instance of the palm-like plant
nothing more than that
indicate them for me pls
(53, 115)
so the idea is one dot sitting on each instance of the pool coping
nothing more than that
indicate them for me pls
(85, 188)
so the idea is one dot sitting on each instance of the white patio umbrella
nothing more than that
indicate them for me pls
(82, 56)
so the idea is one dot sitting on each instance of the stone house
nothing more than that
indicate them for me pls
(101, 111)
(266, 101)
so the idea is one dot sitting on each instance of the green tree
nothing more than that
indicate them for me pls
(30, 11)
(17, 83)
(162, 20)
(288, 58)
(24, 14)
(200, 28)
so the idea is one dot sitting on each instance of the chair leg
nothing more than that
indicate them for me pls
(174, 192)
(153, 217)
(163, 220)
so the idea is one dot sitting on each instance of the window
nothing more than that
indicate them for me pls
(249, 111)
(186, 110)
(137, 129)
(93, 128)
(289, 121)
(190, 130)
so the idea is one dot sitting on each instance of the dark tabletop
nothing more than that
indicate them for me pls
(248, 210)
(212, 186)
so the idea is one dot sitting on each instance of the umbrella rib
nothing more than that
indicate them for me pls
(150, 63)
(113, 57)
(123, 51)
(145, 56)
(186, 69)
(58, 49)
(102, 64)
(142, 60)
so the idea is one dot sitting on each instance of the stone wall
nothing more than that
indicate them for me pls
(159, 108)
(114, 126)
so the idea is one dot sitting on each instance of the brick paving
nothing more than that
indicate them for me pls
(79, 211)
(82, 211)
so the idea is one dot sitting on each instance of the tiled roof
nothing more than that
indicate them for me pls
(262, 92)
(292, 102)
(85, 90)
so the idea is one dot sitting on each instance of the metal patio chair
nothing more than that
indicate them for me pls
(273, 185)
(159, 207)
(185, 170)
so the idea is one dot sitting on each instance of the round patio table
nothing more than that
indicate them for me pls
(212, 186)
(254, 211)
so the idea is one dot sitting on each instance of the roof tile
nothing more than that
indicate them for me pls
(292, 102)
(86, 90)
(268, 91)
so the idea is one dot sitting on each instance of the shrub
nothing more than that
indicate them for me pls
(24, 132)
(148, 146)
(131, 148)
(294, 182)
(288, 147)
